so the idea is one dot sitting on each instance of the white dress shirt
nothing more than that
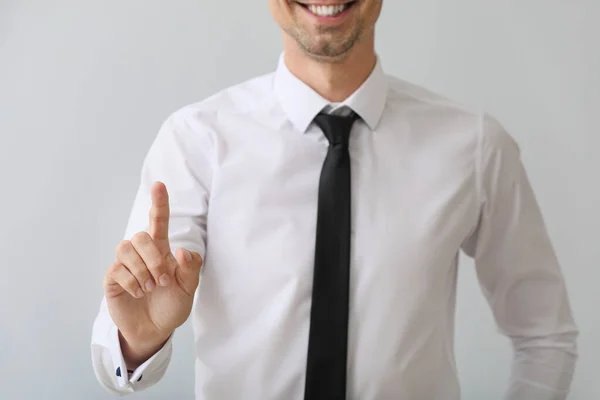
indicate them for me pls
(429, 178)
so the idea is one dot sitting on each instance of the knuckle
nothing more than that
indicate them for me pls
(141, 238)
(123, 247)
(156, 214)
(112, 270)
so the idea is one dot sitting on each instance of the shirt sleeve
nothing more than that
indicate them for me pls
(180, 158)
(519, 272)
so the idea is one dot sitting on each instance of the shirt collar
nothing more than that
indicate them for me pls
(301, 103)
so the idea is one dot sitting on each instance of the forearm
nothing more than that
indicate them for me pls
(543, 367)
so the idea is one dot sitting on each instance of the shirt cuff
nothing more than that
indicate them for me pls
(153, 368)
(109, 364)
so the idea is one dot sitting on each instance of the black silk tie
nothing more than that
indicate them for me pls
(328, 337)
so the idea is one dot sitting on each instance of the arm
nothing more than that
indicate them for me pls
(179, 157)
(519, 273)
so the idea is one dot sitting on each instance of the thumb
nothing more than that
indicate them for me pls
(189, 261)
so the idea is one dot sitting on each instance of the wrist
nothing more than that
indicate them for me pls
(136, 352)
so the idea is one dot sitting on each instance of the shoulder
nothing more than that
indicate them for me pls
(486, 130)
(238, 99)
(419, 99)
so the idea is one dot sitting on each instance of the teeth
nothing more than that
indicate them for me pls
(327, 11)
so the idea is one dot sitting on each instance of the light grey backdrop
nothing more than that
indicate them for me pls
(84, 87)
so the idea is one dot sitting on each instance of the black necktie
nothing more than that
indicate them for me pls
(328, 337)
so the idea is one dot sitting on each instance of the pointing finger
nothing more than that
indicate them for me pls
(159, 217)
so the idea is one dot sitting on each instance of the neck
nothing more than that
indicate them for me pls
(335, 80)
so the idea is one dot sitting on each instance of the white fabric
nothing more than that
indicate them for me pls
(429, 178)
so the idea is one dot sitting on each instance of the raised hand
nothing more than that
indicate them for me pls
(149, 291)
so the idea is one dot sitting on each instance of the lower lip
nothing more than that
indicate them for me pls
(329, 19)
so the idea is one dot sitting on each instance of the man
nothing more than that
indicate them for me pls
(326, 204)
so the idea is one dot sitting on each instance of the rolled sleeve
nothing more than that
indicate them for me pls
(519, 272)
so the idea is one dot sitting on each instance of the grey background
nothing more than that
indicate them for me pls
(84, 87)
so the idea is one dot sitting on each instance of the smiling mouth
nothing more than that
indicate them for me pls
(328, 10)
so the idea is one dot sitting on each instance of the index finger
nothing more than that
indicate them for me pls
(159, 216)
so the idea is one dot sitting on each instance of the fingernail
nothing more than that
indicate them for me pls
(164, 280)
(139, 293)
(188, 255)
(149, 285)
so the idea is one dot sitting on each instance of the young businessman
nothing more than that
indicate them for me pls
(310, 221)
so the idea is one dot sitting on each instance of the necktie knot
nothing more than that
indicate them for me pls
(336, 127)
